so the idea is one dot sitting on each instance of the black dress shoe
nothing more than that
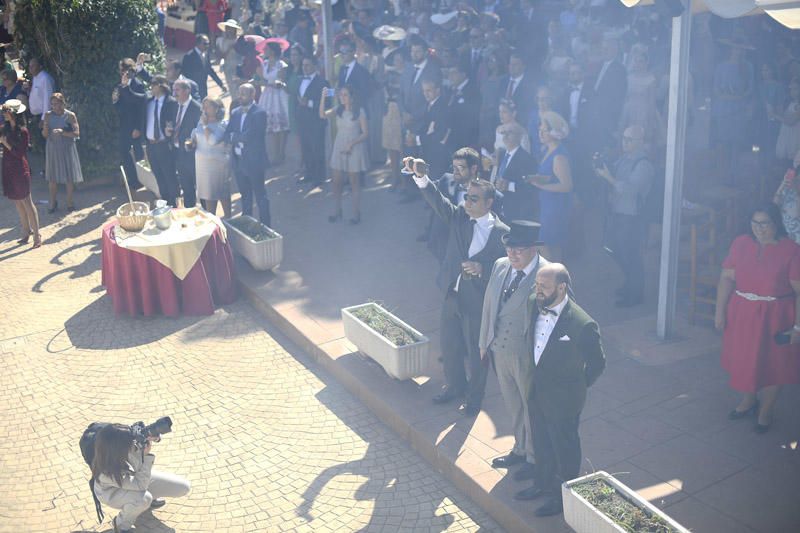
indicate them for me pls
(157, 504)
(528, 471)
(737, 415)
(508, 460)
(470, 411)
(531, 493)
(445, 396)
(551, 507)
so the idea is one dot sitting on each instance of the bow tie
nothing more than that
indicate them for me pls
(307, 77)
(547, 311)
(575, 88)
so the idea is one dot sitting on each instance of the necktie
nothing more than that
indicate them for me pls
(510, 89)
(156, 125)
(178, 122)
(503, 165)
(416, 73)
(514, 285)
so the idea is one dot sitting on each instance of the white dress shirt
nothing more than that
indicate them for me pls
(512, 273)
(419, 68)
(150, 132)
(304, 87)
(602, 73)
(480, 231)
(515, 83)
(545, 323)
(41, 91)
(574, 103)
(349, 70)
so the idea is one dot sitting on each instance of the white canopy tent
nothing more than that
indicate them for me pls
(783, 11)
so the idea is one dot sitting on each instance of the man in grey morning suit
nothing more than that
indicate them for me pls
(504, 323)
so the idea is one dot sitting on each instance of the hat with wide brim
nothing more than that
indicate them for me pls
(389, 33)
(230, 24)
(280, 41)
(443, 18)
(524, 233)
(15, 106)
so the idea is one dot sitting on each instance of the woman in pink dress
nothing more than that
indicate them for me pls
(757, 310)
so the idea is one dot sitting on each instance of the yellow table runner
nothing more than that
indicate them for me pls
(178, 247)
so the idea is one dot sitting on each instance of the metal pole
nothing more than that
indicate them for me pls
(327, 41)
(673, 193)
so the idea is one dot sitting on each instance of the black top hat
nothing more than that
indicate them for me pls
(524, 233)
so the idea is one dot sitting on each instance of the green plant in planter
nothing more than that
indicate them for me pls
(374, 317)
(80, 43)
(619, 509)
(252, 228)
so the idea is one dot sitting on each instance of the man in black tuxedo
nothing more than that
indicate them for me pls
(196, 65)
(567, 358)
(246, 131)
(432, 133)
(514, 163)
(519, 86)
(310, 126)
(465, 100)
(186, 119)
(129, 98)
(473, 245)
(352, 74)
(575, 103)
(608, 91)
(159, 119)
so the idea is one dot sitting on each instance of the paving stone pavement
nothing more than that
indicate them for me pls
(268, 440)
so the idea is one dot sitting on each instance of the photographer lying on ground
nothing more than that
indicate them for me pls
(123, 475)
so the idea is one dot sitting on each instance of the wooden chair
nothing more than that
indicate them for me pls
(702, 259)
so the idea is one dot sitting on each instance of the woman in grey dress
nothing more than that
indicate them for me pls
(212, 158)
(349, 152)
(62, 165)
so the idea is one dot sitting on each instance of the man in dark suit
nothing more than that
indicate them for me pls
(514, 163)
(422, 67)
(567, 358)
(464, 100)
(186, 119)
(196, 65)
(575, 104)
(519, 86)
(310, 126)
(159, 119)
(608, 91)
(246, 131)
(431, 135)
(473, 245)
(130, 98)
(352, 74)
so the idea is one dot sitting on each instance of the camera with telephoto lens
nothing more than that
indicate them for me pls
(141, 432)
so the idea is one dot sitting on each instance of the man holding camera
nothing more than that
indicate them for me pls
(473, 245)
(630, 183)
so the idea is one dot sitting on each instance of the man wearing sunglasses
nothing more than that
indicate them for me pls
(473, 245)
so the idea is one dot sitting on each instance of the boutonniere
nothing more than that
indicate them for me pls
(583, 100)
(460, 100)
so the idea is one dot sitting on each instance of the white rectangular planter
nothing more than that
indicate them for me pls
(262, 255)
(147, 178)
(583, 517)
(400, 362)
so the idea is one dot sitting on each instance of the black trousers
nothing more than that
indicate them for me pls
(251, 185)
(184, 162)
(460, 332)
(626, 238)
(162, 163)
(312, 148)
(128, 163)
(556, 448)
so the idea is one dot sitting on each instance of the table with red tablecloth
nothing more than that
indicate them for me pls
(140, 285)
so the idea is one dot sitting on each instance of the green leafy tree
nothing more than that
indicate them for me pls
(80, 43)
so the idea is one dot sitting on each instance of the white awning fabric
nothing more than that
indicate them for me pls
(786, 12)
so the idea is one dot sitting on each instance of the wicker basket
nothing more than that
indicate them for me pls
(132, 216)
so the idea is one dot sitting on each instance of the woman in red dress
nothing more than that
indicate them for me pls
(16, 173)
(757, 308)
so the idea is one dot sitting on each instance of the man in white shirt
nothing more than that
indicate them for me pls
(503, 341)
(42, 87)
(473, 245)
(567, 358)
(310, 127)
